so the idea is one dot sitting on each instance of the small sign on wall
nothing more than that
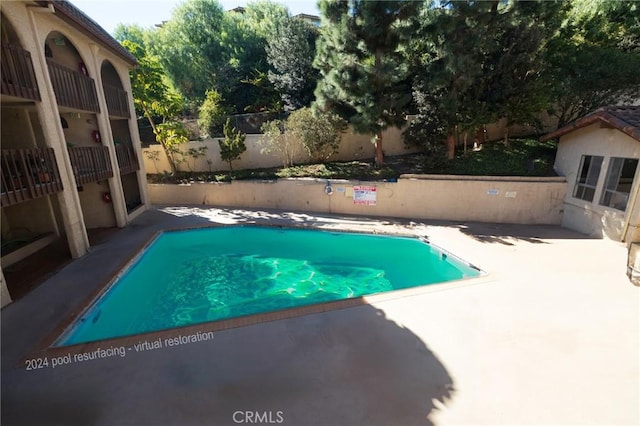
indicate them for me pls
(365, 195)
(493, 191)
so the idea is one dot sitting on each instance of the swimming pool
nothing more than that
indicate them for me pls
(201, 275)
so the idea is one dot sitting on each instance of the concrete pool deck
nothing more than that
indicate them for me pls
(551, 336)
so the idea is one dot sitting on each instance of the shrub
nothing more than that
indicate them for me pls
(212, 113)
(319, 133)
(277, 141)
(232, 146)
(428, 133)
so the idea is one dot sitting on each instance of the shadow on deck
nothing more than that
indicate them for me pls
(30, 272)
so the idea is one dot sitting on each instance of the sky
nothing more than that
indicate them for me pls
(147, 13)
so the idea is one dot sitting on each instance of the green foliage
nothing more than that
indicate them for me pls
(153, 99)
(171, 134)
(204, 48)
(131, 32)
(319, 133)
(265, 17)
(276, 140)
(607, 23)
(212, 113)
(290, 53)
(188, 46)
(363, 75)
(526, 157)
(427, 132)
(146, 79)
(477, 62)
(264, 97)
(594, 60)
(232, 146)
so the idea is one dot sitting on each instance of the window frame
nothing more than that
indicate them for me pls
(580, 188)
(611, 184)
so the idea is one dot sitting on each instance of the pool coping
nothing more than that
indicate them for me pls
(45, 347)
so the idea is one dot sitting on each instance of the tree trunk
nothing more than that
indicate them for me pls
(506, 136)
(379, 153)
(451, 146)
(172, 164)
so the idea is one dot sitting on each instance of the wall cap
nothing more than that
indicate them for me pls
(485, 178)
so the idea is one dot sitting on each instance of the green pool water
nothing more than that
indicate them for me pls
(194, 276)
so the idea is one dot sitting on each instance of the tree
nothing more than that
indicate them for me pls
(132, 32)
(276, 140)
(594, 60)
(232, 146)
(252, 91)
(319, 133)
(212, 113)
(156, 101)
(477, 62)
(514, 82)
(290, 53)
(363, 75)
(447, 57)
(188, 46)
(202, 48)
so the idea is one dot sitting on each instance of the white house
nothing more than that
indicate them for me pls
(599, 156)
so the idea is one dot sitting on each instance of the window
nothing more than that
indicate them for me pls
(617, 187)
(588, 177)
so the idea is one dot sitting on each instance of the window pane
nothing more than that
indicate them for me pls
(619, 201)
(594, 171)
(586, 160)
(627, 174)
(588, 194)
(620, 175)
(588, 177)
(615, 165)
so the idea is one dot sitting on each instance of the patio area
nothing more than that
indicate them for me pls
(550, 336)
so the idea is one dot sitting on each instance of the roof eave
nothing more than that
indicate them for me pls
(601, 116)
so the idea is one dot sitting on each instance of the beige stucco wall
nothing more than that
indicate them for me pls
(80, 127)
(352, 147)
(473, 198)
(36, 216)
(62, 52)
(15, 128)
(495, 131)
(590, 217)
(97, 213)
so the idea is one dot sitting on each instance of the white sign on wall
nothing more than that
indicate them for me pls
(365, 195)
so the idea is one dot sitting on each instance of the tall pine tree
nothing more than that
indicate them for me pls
(477, 62)
(362, 73)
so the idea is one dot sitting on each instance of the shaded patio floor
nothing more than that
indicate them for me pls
(30, 272)
(550, 336)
